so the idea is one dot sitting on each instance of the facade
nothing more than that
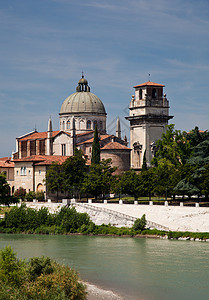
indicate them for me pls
(148, 116)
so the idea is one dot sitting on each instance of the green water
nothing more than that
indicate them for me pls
(135, 268)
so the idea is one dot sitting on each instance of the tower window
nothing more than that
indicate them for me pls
(88, 124)
(63, 125)
(140, 94)
(154, 93)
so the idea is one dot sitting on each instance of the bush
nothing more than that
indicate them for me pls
(20, 193)
(40, 196)
(38, 266)
(140, 224)
(39, 279)
(12, 270)
(30, 196)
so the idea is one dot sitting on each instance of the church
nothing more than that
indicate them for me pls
(80, 113)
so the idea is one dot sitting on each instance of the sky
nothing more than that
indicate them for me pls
(46, 44)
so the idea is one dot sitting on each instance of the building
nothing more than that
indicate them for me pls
(79, 114)
(148, 116)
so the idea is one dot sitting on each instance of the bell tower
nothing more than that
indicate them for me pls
(148, 116)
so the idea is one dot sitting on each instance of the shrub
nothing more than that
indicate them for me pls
(30, 196)
(39, 279)
(20, 193)
(140, 224)
(38, 266)
(12, 270)
(40, 196)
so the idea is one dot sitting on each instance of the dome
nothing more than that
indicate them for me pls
(83, 102)
(83, 80)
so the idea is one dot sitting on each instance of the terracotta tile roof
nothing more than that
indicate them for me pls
(52, 159)
(149, 83)
(84, 133)
(43, 159)
(102, 137)
(5, 162)
(115, 145)
(38, 135)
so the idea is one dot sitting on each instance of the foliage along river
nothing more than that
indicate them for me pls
(134, 268)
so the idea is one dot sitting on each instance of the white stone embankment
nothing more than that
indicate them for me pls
(175, 218)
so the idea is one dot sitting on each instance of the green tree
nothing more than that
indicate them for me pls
(74, 170)
(5, 197)
(100, 178)
(54, 178)
(173, 146)
(144, 165)
(130, 184)
(166, 176)
(95, 156)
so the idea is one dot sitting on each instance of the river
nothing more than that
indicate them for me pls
(151, 269)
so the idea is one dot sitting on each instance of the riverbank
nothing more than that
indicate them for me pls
(96, 293)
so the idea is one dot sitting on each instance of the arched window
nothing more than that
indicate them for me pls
(88, 126)
(63, 125)
(154, 93)
(68, 124)
(95, 123)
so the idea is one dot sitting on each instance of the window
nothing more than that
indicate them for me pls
(88, 124)
(100, 124)
(23, 171)
(68, 124)
(39, 172)
(140, 94)
(95, 123)
(29, 172)
(63, 150)
(17, 172)
(63, 125)
(154, 93)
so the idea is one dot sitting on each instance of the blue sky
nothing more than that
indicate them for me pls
(46, 44)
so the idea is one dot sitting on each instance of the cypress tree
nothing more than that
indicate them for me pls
(144, 165)
(95, 157)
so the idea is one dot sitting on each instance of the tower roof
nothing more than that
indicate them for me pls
(149, 83)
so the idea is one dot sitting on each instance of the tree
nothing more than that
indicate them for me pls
(173, 146)
(95, 157)
(74, 169)
(130, 184)
(166, 176)
(54, 178)
(144, 165)
(5, 197)
(100, 178)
